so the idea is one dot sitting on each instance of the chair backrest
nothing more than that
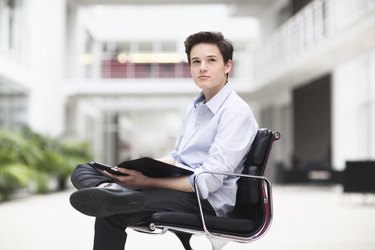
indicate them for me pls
(257, 157)
(250, 194)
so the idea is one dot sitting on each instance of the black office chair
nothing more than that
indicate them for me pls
(251, 216)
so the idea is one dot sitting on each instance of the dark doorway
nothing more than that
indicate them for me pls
(312, 125)
(297, 5)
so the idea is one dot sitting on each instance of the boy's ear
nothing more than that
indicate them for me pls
(228, 66)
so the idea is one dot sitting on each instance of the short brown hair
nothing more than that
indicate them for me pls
(225, 46)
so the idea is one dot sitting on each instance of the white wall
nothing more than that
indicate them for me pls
(353, 113)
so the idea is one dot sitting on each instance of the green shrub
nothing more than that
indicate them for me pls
(14, 173)
(29, 158)
(14, 176)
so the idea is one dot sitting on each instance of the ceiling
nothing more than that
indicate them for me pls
(163, 23)
(251, 7)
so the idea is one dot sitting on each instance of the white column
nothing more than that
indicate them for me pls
(73, 52)
(97, 60)
(47, 50)
(351, 112)
(4, 27)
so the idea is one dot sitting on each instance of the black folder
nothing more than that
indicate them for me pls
(147, 166)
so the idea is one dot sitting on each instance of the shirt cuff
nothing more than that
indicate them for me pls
(192, 181)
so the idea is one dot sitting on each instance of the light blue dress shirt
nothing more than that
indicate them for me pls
(216, 136)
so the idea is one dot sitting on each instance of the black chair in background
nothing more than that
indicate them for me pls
(359, 177)
(252, 214)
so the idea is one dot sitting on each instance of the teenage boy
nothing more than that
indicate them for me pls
(217, 131)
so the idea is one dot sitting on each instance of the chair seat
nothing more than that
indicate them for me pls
(236, 226)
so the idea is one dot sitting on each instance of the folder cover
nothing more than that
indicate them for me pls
(147, 166)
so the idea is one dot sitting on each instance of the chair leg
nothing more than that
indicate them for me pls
(217, 244)
(185, 239)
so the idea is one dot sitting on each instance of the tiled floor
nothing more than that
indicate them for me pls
(305, 217)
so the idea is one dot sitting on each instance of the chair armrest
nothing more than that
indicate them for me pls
(267, 193)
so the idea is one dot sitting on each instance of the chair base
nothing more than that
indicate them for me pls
(185, 239)
(217, 244)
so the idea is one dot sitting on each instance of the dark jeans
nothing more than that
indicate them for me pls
(110, 231)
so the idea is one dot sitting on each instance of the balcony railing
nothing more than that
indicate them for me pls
(114, 69)
(304, 32)
(102, 66)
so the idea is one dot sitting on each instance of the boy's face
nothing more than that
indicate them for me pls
(208, 69)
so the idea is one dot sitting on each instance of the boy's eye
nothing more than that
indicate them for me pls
(195, 61)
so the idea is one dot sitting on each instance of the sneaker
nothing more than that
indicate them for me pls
(105, 201)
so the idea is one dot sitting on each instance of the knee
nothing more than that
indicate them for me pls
(79, 169)
(78, 172)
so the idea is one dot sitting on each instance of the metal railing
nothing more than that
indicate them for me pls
(102, 66)
(318, 21)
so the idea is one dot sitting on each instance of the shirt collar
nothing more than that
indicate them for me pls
(215, 103)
